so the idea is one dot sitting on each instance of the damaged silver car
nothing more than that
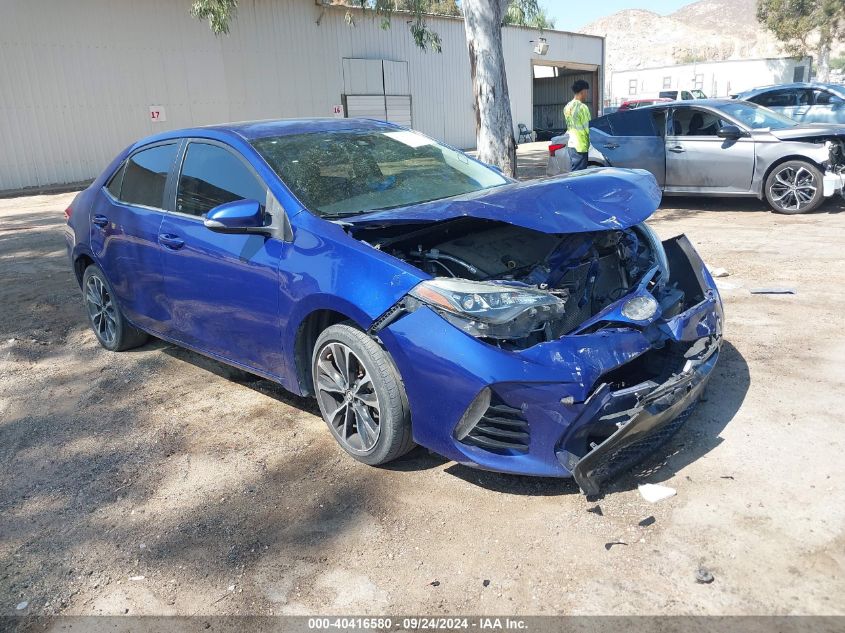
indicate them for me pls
(723, 147)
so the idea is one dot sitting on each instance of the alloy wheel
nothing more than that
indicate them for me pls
(793, 188)
(347, 397)
(101, 310)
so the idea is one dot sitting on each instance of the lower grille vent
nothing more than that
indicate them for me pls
(502, 429)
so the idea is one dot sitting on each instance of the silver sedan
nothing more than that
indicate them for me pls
(803, 102)
(724, 147)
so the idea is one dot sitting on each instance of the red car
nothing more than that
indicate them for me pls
(630, 104)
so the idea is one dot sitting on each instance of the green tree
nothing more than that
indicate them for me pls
(536, 18)
(796, 23)
(483, 20)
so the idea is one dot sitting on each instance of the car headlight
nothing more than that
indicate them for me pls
(639, 308)
(490, 309)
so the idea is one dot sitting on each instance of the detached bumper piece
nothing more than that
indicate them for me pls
(646, 416)
(833, 182)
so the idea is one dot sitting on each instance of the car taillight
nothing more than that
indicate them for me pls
(555, 147)
(68, 211)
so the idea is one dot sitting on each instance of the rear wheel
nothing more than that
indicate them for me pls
(794, 187)
(104, 315)
(360, 395)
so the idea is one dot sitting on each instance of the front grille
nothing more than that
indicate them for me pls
(625, 457)
(502, 429)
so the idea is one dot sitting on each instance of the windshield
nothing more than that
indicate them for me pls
(756, 117)
(343, 173)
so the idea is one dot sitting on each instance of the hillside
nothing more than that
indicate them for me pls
(704, 30)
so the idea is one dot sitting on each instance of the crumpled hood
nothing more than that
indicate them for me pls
(599, 199)
(813, 130)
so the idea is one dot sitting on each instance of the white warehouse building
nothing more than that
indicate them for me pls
(715, 79)
(82, 80)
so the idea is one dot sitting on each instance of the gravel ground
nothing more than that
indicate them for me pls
(157, 481)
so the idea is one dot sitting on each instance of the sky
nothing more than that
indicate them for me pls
(571, 15)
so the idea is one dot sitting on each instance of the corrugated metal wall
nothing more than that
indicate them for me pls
(77, 78)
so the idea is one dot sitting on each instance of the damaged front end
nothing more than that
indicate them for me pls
(548, 353)
(833, 179)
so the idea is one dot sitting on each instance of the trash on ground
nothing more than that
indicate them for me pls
(773, 290)
(607, 546)
(22, 605)
(726, 477)
(486, 582)
(596, 510)
(434, 583)
(719, 272)
(655, 492)
(703, 576)
(136, 577)
(649, 520)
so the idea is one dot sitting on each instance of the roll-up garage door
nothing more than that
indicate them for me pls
(365, 106)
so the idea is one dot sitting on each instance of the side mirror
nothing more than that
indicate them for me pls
(731, 132)
(240, 216)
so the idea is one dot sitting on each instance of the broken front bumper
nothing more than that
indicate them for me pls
(648, 415)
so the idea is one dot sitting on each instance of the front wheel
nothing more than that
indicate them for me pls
(794, 187)
(360, 395)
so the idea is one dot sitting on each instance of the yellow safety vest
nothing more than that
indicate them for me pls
(577, 116)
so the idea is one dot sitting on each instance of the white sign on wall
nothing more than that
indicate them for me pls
(337, 111)
(157, 114)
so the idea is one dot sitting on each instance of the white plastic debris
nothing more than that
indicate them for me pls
(719, 272)
(655, 492)
(136, 577)
(20, 606)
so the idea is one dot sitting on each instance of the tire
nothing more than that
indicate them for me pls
(110, 327)
(794, 186)
(374, 394)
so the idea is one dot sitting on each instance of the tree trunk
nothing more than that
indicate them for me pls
(823, 64)
(493, 122)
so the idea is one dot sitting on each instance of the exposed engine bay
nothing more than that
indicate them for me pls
(836, 154)
(584, 272)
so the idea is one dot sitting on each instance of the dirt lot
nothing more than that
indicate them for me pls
(159, 482)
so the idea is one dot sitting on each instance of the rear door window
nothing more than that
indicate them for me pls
(639, 122)
(602, 124)
(145, 176)
(776, 99)
(211, 176)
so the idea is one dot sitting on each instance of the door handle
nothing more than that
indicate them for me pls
(611, 145)
(168, 240)
(678, 149)
(100, 220)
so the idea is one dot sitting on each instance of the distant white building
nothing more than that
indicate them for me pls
(715, 79)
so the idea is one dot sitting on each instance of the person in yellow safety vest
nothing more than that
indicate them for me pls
(577, 116)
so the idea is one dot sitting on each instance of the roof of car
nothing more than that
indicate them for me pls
(685, 102)
(283, 127)
(795, 84)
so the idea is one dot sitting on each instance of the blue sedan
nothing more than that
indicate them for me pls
(421, 296)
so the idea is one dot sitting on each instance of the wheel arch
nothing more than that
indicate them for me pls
(80, 262)
(307, 331)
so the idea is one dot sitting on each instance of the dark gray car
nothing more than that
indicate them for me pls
(724, 147)
(804, 102)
